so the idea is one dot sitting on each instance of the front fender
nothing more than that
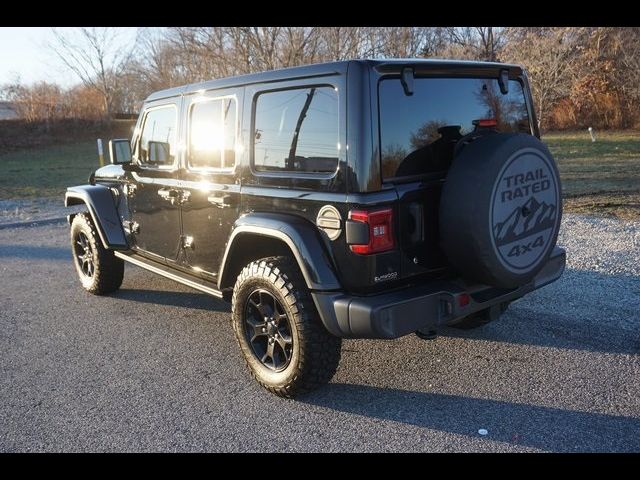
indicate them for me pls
(299, 235)
(102, 209)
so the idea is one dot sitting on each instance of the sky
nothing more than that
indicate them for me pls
(23, 53)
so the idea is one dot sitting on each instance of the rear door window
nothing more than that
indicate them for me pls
(212, 134)
(418, 133)
(297, 130)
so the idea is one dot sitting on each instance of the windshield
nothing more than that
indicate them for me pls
(418, 133)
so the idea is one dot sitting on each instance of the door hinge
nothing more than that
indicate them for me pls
(130, 189)
(184, 196)
(131, 227)
(187, 241)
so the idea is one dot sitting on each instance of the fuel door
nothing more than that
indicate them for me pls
(329, 221)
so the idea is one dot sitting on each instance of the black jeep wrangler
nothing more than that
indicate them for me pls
(360, 199)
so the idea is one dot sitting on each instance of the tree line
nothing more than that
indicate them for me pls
(580, 76)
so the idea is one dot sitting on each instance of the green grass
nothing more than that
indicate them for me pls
(610, 164)
(601, 177)
(46, 172)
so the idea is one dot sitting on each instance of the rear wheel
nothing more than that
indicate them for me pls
(99, 270)
(282, 339)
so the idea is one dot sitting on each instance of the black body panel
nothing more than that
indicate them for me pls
(428, 306)
(207, 219)
(156, 212)
(101, 205)
(301, 237)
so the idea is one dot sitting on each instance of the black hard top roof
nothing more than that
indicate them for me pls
(322, 69)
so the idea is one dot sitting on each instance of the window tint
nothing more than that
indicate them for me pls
(418, 133)
(297, 130)
(158, 139)
(212, 134)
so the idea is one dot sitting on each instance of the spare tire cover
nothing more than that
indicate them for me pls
(500, 209)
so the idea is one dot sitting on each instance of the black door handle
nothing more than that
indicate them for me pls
(170, 194)
(167, 193)
(222, 201)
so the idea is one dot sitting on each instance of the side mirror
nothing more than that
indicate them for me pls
(120, 151)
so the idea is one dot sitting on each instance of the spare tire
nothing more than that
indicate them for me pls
(500, 209)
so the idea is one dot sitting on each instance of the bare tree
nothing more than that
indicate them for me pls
(549, 57)
(299, 46)
(164, 60)
(96, 55)
(40, 101)
(48, 102)
(434, 42)
(340, 43)
(605, 91)
(401, 41)
(628, 41)
(474, 43)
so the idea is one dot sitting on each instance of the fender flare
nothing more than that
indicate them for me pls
(99, 202)
(302, 238)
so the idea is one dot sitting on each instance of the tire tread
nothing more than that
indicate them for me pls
(319, 349)
(109, 269)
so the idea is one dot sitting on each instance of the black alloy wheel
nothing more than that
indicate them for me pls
(84, 255)
(99, 270)
(267, 330)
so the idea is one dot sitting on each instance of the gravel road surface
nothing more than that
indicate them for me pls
(154, 367)
(30, 210)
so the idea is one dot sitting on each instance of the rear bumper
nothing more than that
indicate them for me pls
(428, 306)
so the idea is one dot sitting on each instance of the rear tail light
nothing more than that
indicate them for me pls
(487, 122)
(380, 226)
(464, 299)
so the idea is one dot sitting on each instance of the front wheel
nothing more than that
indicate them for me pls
(99, 270)
(282, 339)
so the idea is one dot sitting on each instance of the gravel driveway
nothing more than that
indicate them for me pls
(154, 367)
(32, 210)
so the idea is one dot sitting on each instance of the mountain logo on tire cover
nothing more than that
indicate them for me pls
(532, 217)
(524, 210)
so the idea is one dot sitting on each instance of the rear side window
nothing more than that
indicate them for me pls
(418, 133)
(297, 131)
(212, 134)
(158, 138)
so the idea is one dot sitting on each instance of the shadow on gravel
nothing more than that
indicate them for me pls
(200, 301)
(35, 252)
(553, 331)
(566, 315)
(533, 426)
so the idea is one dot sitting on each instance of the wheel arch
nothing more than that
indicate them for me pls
(101, 207)
(261, 235)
